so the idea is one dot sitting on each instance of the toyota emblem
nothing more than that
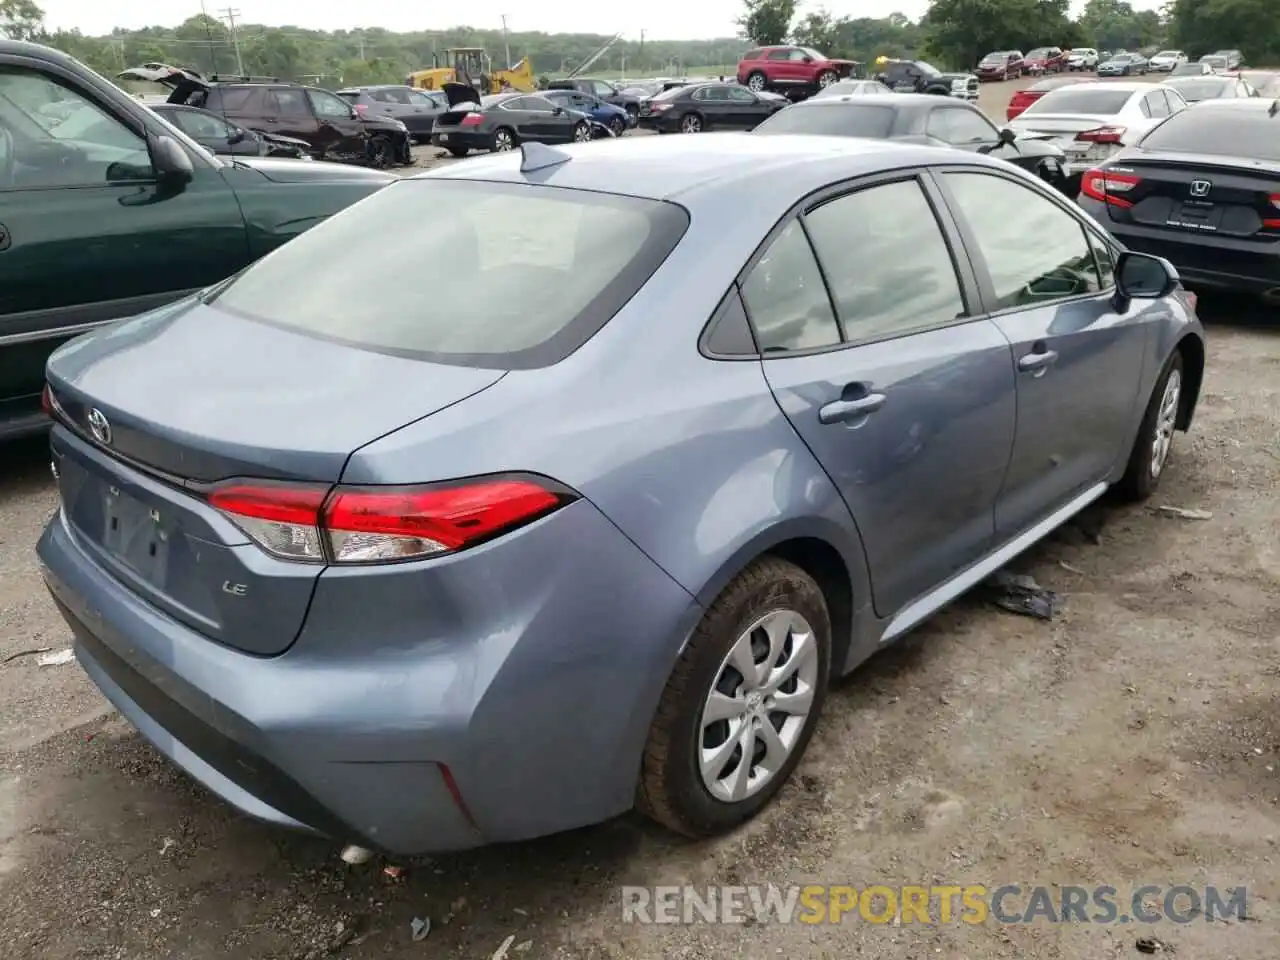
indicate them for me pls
(99, 426)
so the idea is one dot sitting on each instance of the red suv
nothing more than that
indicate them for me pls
(1044, 60)
(790, 68)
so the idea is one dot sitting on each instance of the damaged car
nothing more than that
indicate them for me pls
(502, 121)
(226, 139)
(331, 127)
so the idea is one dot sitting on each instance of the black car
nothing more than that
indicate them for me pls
(416, 109)
(920, 118)
(602, 90)
(227, 139)
(504, 120)
(916, 76)
(1201, 190)
(332, 127)
(708, 106)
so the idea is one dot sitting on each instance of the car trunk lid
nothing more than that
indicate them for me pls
(1063, 130)
(160, 411)
(1197, 193)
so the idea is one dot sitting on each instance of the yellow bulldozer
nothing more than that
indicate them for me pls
(472, 66)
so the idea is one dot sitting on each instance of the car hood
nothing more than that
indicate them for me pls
(283, 170)
(182, 81)
(954, 76)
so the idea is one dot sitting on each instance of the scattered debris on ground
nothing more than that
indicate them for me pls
(1183, 513)
(1020, 593)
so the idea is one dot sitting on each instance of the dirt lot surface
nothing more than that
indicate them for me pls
(1132, 740)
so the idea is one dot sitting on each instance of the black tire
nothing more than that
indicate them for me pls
(671, 789)
(459, 152)
(582, 132)
(1138, 482)
(382, 152)
(756, 81)
(618, 126)
(633, 110)
(692, 122)
(829, 76)
(504, 139)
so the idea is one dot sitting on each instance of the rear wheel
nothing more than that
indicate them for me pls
(618, 126)
(382, 152)
(504, 139)
(756, 82)
(741, 704)
(1151, 449)
(582, 132)
(826, 78)
(691, 123)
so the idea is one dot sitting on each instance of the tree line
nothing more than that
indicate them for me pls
(957, 33)
(953, 33)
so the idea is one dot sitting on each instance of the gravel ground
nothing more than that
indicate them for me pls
(1133, 740)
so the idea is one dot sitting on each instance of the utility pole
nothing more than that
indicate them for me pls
(506, 43)
(231, 13)
(641, 57)
(362, 46)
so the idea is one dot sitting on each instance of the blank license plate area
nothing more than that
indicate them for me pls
(134, 534)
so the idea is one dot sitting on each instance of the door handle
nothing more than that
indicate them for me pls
(842, 411)
(1038, 361)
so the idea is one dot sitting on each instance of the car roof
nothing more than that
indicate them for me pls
(782, 167)
(1127, 86)
(1256, 104)
(887, 100)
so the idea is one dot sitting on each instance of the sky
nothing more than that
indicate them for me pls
(660, 19)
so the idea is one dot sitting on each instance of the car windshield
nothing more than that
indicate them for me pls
(1205, 89)
(843, 120)
(1053, 83)
(1038, 54)
(810, 52)
(1220, 131)
(495, 275)
(1082, 99)
(995, 58)
(927, 68)
(1214, 61)
(1167, 53)
(1189, 70)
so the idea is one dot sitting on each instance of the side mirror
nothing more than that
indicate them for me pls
(237, 136)
(172, 164)
(1007, 135)
(1141, 276)
(558, 111)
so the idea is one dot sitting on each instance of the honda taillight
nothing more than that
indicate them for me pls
(472, 120)
(1108, 187)
(1107, 134)
(313, 524)
(656, 107)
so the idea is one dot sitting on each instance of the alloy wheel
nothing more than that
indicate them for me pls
(1166, 423)
(758, 706)
(755, 82)
(503, 141)
(691, 124)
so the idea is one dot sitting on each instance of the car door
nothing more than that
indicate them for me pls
(780, 68)
(747, 110)
(537, 120)
(337, 124)
(287, 112)
(585, 103)
(713, 103)
(902, 392)
(1077, 353)
(88, 234)
(426, 108)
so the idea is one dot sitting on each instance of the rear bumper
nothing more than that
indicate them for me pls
(457, 137)
(1219, 262)
(661, 122)
(448, 705)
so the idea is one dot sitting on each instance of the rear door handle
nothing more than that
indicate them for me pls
(842, 411)
(1037, 361)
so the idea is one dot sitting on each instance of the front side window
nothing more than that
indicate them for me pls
(63, 139)
(291, 102)
(741, 95)
(786, 299)
(960, 127)
(328, 106)
(1002, 214)
(886, 260)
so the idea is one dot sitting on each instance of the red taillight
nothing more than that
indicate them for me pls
(46, 401)
(472, 120)
(1107, 134)
(361, 109)
(1191, 298)
(1108, 187)
(382, 524)
(656, 107)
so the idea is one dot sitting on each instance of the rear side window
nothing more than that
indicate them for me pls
(886, 260)
(504, 276)
(786, 298)
(1219, 131)
(235, 99)
(752, 55)
(1082, 100)
(844, 120)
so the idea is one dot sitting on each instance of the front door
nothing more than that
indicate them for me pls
(338, 124)
(1078, 360)
(745, 108)
(89, 234)
(905, 398)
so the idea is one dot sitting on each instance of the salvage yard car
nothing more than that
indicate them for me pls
(651, 440)
(1203, 190)
(787, 69)
(114, 211)
(502, 121)
(708, 106)
(916, 76)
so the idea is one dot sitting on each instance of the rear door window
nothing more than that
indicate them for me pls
(787, 299)
(504, 276)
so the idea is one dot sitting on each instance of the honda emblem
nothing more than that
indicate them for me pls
(1200, 188)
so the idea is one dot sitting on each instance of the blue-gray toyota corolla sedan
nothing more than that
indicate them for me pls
(650, 440)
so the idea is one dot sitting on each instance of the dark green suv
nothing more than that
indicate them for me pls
(107, 211)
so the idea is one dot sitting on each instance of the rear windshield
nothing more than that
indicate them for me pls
(671, 92)
(1199, 89)
(351, 96)
(1038, 53)
(497, 275)
(1081, 100)
(1219, 131)
(845, 120)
